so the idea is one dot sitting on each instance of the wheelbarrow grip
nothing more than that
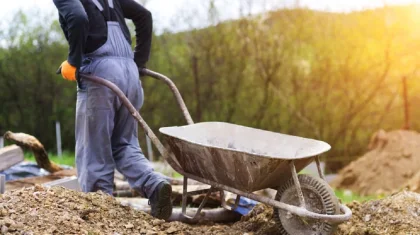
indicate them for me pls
(175, 91)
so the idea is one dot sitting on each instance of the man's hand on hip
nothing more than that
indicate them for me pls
(68, 71)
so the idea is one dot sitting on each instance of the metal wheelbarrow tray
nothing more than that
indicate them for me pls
(242, 160)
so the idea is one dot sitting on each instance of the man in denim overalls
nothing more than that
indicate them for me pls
(106, 133)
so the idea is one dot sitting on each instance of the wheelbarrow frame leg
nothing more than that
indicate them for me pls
(318, 166)
(185, 195)
(225, 205)
(297, 184)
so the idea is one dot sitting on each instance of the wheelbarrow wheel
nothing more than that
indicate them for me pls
(319, 198)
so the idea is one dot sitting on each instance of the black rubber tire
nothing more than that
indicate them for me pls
(319, 198)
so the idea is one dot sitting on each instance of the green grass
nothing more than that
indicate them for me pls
(176, 175)
(67, 158)
(346, 196)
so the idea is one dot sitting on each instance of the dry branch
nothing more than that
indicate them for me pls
(41, 156)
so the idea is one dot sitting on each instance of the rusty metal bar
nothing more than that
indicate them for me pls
(125, 193)
(198, 192)
(163, 151)
(202, 203)
(225, 205)
(238, 198)
(184, 195)
(2, 184)
(318, 165)
(297, 184)
(174, 90)
(299, 211)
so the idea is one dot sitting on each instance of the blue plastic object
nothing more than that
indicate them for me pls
(245, 206)
(25, 170)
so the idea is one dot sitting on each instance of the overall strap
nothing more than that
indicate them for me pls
(107, 9)
(111, 3)
(98, 5)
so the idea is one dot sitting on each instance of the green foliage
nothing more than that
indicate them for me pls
(67, 158)
(347, 196)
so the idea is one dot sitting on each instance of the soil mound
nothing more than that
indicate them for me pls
(414, 183)
(393, 159)
(38, 210)
(397, 214)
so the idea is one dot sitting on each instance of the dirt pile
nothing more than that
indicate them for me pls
(397, 214)
(414, 183)
(393, 160)
(38, 210)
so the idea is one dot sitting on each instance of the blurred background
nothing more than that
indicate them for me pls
(336, 71)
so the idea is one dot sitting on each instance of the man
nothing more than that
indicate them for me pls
(106, 133)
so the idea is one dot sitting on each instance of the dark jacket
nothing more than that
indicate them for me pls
(85, 27)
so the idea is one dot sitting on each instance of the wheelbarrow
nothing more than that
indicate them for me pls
(242, 160)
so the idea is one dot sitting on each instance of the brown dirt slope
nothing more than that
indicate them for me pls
(398, 214)
(414, 183)
(393, 160)
(38, 210)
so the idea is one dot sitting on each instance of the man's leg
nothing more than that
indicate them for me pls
(128, 156)
(94, 125)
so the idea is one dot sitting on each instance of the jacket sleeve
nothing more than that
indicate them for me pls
(143, 22)
(74, 19)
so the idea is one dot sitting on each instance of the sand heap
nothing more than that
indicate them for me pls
(393, 160)
(397, 214)
(38, 210)
(414, 183)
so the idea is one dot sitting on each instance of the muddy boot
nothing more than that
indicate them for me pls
(161, 201)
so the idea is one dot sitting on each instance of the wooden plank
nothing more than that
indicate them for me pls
(70, 183)
(10, 156)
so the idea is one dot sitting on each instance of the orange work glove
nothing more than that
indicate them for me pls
(68, 71)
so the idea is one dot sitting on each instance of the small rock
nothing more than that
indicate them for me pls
(129, 226)
(367, 218)
(4, 212)
(157, 222)
(172, 230)
(150, 232)
(4, 229)
(9, 222)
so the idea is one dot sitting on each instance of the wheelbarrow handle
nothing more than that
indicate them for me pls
(174, 89)
(162, 150)
(170, 84)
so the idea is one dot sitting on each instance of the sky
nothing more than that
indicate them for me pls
(166, 11)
